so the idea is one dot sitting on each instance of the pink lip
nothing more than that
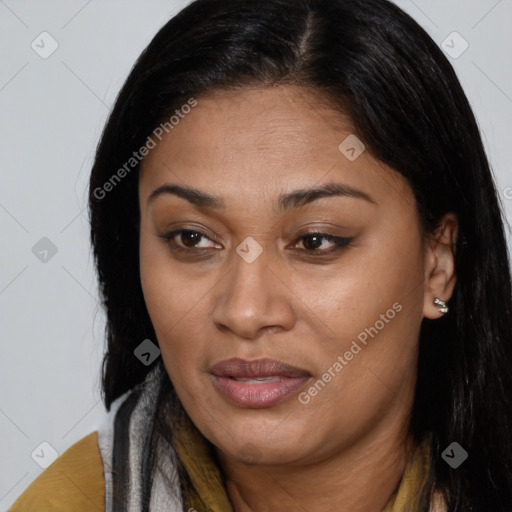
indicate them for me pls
(287, 380)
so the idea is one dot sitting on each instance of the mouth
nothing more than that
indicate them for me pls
(257, 384)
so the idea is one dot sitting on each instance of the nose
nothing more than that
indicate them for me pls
(253, 299)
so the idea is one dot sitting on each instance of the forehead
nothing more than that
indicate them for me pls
(247, 142)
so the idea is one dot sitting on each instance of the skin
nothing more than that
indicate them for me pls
(248, 148)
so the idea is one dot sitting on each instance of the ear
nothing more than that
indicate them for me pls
(439, 260)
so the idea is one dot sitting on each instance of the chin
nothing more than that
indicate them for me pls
(254, 452)
(254, 443)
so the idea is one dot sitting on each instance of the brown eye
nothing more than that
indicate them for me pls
(313, 241)
(190, 238)
(186, 239)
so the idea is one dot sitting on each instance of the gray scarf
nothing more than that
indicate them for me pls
(124, 440)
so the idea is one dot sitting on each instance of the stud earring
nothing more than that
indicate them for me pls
(441, 304)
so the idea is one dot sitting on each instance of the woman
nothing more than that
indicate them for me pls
(302, 259)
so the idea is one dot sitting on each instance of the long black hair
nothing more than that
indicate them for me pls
(373, 62)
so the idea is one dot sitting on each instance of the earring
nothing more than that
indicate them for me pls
(443, 308)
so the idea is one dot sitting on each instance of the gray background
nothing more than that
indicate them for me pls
(52, 114)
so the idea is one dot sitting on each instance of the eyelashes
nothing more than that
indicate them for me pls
(193, 236)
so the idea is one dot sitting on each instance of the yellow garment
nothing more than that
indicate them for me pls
(75, 482)
(194, 451)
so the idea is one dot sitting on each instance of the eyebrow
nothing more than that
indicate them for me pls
(286, 202)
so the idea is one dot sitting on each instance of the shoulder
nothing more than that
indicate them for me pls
(73, 482)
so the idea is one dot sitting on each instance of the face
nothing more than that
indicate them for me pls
(288, 321)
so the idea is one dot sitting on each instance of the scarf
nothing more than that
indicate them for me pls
(127, 447)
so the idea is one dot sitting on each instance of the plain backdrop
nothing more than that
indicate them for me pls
(52, 109)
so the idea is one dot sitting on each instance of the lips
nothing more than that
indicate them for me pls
(257, 384)
(241, 369)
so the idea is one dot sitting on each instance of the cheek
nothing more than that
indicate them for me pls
(170, 289)
(375, 322)
(366, 284)
(174, 303)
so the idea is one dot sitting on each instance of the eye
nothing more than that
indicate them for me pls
(315, 243)
(186, 239)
